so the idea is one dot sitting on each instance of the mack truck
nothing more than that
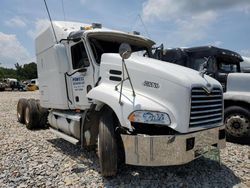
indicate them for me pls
(225, 66)
(97, 88)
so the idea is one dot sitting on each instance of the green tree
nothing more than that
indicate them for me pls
(30, 70)
(21, 72)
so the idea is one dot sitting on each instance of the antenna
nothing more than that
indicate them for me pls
(63, 10)
(50, 20)
(139, 15)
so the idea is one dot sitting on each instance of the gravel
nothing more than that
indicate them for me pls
(40, 159)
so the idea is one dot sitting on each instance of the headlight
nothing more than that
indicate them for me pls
(150, 117)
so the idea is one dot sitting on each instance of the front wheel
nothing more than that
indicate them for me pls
(237, 122)
(107, 145)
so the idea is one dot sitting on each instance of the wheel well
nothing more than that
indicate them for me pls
(243, 104)
(106, 107)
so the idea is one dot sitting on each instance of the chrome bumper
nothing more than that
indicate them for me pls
(167, 150)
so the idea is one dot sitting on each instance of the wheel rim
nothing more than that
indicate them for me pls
(27, 117)
(237, 125)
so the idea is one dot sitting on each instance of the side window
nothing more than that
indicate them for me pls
(79, 56)
(227, 68)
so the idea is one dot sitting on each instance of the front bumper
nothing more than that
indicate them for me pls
(167, 150)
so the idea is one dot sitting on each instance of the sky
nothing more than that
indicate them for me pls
(182, 23)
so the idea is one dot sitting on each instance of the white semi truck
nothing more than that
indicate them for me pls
(136, 109)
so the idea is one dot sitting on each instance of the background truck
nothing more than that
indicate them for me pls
(225, 66)
(32, 85)
(11, 83)
(3, 85)
(245, 65)
(136, 109)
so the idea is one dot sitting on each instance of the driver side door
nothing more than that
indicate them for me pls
(80, 76)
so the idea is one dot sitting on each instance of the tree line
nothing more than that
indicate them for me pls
(20, 72)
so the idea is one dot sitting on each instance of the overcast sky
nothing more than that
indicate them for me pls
(182, 23)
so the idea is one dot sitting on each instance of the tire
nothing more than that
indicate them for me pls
(237, 122)
(21, 105)
(31, 118)
(43, 115)
(107, 146)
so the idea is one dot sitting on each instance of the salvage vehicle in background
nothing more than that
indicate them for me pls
(32, 85)
(11, 84)
(225, 66)
(96, 90)
(35, 82)
(245, 65)
(2, 86)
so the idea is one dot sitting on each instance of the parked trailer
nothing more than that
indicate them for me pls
(137, 110)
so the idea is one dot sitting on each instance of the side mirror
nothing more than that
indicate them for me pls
(211, 66)
(203, 66)
(125, 50)
(161, 47)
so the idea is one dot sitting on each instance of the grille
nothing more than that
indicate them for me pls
(206, 109)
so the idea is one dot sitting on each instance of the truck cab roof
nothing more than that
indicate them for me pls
(215, 51)
(225, 55)
(76, 30)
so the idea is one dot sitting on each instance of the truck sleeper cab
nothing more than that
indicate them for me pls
(136, 108)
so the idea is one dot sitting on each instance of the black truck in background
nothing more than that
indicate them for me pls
(225, 66)
(221, 62)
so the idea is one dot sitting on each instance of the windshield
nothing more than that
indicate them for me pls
(222, 66)
(227, 68)
(100, 45)
(196, 63)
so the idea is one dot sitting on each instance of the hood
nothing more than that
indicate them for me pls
(173, 73)
(167, 86)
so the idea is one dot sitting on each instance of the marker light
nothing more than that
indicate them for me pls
(150, 117)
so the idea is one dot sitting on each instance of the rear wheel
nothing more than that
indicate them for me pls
(107, 145)
(237, 122)
(31, 114)
(43, 115)
(21, 106)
